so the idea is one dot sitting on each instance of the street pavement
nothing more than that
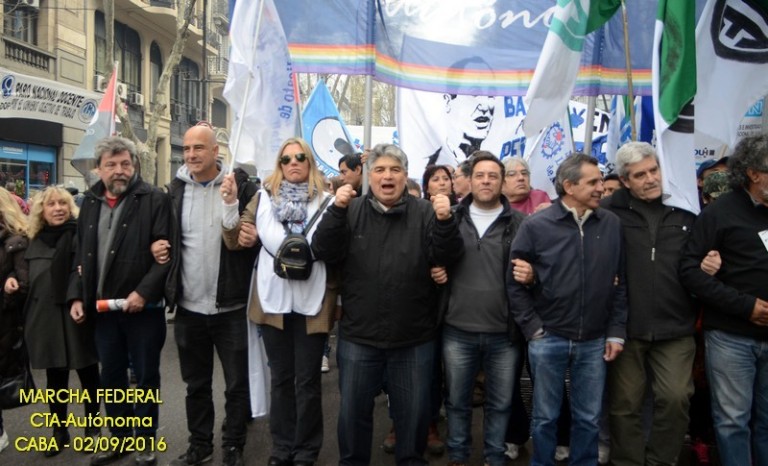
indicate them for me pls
(173, 429)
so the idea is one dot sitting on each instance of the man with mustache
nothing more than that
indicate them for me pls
(661, 321)
(120, 218)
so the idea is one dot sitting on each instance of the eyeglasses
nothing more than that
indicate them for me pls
(513, 173)
(205, 124)
(286, 159)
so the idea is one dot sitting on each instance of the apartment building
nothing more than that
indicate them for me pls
(53, 63)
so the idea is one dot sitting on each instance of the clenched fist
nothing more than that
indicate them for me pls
(343, 195)
(442, 206)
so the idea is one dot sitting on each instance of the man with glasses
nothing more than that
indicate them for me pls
(461, 177)
(735, 304)
(119, 220)
(209, 284)
(517, 187)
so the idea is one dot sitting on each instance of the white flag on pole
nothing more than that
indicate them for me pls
(259, 85)
(731, 65)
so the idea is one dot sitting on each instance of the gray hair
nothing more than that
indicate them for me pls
(387, 150)
(570, 170)
(750, 153)
(510, 162)
(632, 152)
(114, 145)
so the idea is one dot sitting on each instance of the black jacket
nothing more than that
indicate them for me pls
(235, 267)
(730, 225)
(144, 219)
(388, 296)
(660, 308)
(504, 228)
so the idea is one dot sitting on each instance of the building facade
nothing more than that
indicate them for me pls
(53, 67)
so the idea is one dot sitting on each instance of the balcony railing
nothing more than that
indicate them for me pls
(27, 54)
(217, 67)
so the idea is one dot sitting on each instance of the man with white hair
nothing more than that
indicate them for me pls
(661, 318)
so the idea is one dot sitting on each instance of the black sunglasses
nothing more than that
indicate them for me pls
(286, 159)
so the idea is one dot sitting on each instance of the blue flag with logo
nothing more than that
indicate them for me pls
(325, 131)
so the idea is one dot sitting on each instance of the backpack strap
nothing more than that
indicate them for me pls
(316, 216)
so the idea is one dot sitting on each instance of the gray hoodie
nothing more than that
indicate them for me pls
(200, 242)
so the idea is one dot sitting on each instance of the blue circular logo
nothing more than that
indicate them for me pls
(7, 85)
(88, 111)
(553, 141)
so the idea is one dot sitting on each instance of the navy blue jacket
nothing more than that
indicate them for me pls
(575, 294)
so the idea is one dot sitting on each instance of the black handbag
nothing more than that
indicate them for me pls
(11, 386)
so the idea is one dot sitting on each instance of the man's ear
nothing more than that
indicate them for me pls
(624, 182)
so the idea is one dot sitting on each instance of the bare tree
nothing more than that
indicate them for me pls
(147, 152)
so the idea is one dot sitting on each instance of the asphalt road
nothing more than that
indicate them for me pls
(18, 423)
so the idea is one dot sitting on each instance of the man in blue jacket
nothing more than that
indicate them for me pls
(573, 312)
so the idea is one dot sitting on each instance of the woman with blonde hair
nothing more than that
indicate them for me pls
(13, 243)
(294, 315)
(54, 341)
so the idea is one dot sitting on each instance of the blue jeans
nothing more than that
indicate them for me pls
(197, 336)
(141, 337)
(464, 353)
(362, 371)
(737, 369)
(550, 357)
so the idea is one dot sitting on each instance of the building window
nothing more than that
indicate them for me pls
(185, 93)
(155, 67)
(127, 52)
(20, 21)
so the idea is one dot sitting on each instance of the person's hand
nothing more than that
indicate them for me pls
(161, 251)
(612, 350)
(343, 195)
(442, 206)
(228, 189)
(439, 275)
(248, 235)
(134, 303)
(364, 156)
(541, 206)
(711, 263)
(11, 285)
(522, 272)
(760, 313)
(76, 311)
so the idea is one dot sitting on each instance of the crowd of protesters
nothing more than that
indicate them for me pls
(636, 321)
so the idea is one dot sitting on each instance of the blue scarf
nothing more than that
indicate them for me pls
(290, 204)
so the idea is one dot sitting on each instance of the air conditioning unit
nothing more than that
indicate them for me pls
(122, 90)
(135, 99)
(175, 110)
(100, 83)
(30, 3)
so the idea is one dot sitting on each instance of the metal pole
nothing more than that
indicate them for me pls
(204, 76)
(630, 87)
(368, 121)
(589, 123)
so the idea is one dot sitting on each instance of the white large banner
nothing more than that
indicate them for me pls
(23, 96)
(444, 129)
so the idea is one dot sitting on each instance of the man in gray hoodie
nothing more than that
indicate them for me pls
(209, 285)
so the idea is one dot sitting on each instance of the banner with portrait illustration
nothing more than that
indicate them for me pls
(458, 46)
(445, 128)
(24, 96)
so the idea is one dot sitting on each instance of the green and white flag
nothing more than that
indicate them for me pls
(674, 86)
(558, 64)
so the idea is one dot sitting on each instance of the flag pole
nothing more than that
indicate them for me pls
(297, 97)
(239, 129)
(368, 120)
(589, 124)
(630, 86)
